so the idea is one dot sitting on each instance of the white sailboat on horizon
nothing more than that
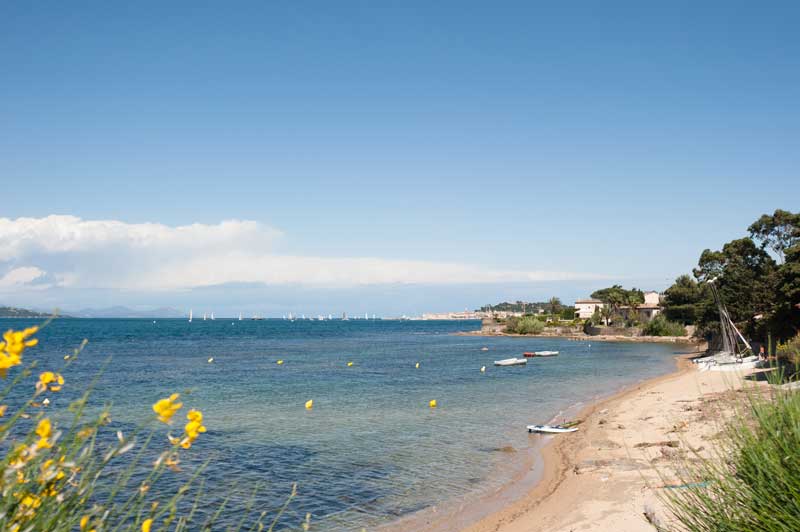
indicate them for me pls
(190, 315)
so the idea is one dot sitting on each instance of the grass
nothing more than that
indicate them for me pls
(752, 480)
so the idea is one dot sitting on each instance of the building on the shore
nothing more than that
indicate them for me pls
(584, 308)
(651, 306)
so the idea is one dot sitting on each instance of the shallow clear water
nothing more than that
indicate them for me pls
(371, 449)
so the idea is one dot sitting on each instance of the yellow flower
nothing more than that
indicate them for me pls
(50, 381)
(31, 501)
(193, 428)
(84, 521)
(146, 525)
(3, 409)
(13, 346)
(166, 408)
(44, 430)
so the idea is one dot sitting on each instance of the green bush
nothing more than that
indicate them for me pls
(753, 480)
(525, 325)
(790, 351)
(661, 326)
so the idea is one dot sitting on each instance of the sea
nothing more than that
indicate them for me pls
(371, 451)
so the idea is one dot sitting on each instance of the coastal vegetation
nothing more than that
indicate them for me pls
(524, 325)
(661, 326)
(65, 470)
(752, 480)
(758, 280)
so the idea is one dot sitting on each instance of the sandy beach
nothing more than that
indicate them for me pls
(608, 474)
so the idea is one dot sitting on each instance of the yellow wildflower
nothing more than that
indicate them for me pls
(85, 433)
(84, 521)
(31, 501)
(3, 409)
(49, 381)
(20, 455)
(146, 525)
(44, 430)
(13, 346)
(166, 408)
(192, 429)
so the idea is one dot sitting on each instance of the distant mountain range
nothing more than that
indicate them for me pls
(14, 312)
(126, 312)
(109, 312)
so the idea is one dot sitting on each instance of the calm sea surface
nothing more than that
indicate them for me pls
(371, 450)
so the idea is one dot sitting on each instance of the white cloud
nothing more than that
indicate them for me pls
(118, 255)
(20, 276)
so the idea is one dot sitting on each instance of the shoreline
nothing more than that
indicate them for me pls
(611, 473)
(580, 337)
(556, 453)
(540, 473)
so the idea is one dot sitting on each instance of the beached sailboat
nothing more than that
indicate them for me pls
(736, 353)
(511, 362)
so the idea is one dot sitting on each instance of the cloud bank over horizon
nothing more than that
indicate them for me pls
(64, 251)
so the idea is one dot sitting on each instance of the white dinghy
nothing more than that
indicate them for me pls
(551, 429)
(511, 362)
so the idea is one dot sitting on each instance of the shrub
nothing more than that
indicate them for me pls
(524, 325)
(660, 326)
(790, 351)
(753, 480)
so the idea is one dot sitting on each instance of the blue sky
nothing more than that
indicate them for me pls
(609, 142)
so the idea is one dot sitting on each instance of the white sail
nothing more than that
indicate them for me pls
(190, 315)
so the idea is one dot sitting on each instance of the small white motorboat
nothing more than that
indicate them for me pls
(532, 354)
(511, 362)
(551, 429)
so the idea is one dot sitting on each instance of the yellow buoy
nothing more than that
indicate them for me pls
(432, 403)
(280, 362)
(416, 365)
(483, 369)
(349, 364)
(309, 404)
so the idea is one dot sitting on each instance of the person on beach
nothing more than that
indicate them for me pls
(762, 355)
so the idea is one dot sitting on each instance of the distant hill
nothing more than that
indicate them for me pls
(126, 312)
(14, 312)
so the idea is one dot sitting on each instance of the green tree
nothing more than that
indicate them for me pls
(779, 231)
(745, 276)
(682, 299)
(555, 306)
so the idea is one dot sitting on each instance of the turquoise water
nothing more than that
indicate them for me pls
(371, 450)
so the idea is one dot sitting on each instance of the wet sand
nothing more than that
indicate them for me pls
(608, 474)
